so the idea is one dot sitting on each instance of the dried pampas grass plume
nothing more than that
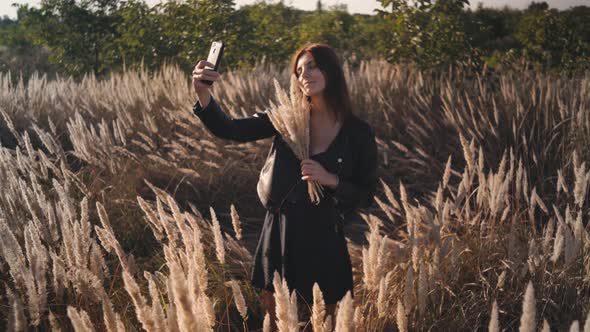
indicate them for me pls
(286, 308)
(447, 172)
(328, 324)
(16, 319)
(408, 295)
(219, 248)
(208, 310)
(527, 320)
(235, 220)
(359, 319)
(382, 298)
(422, 288)
(401, 318)
(581, 184)
(575, 327)
(80, 320)
(467, 153)
(345, 315)
(291, 119)
(318, 310)
(266, 323)
(494, 325)
(239, 299)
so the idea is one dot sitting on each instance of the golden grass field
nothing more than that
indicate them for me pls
(120, 212)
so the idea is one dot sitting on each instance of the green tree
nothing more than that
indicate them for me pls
(335, 27)
(542, 33)
(179, 36)
(5, 21)
(18, 54)
(493, 29)
(77, 34)
(373, 36)
(577, 21)
(428, 32)
(218, 20)
(140, 38)
(80, 36)
(272, 32)
(179, 32)
(319, 6)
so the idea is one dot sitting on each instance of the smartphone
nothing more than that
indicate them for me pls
(215, 54)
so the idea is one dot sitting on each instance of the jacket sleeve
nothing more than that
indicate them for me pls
(358, 191)
(223, 126)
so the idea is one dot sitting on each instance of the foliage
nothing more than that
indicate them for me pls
(493, 29)
(430, 33)
(334, 27)
(556, 40)
(18, 54)
(103, 36)
(79, 35)
(273, 35)
(140, 38)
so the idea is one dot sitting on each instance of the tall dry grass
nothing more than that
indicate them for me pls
(116, 207)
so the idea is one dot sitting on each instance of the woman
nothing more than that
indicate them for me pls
(302, 241)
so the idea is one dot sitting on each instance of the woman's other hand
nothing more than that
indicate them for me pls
(201, 73)
(314, 171)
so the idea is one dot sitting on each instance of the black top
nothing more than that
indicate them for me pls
(355, 147)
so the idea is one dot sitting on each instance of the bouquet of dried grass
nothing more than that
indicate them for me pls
(291, 119)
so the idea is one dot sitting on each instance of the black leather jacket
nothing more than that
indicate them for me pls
(355, 146)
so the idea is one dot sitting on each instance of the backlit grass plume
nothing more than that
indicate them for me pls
(465, 222)
(291, 119)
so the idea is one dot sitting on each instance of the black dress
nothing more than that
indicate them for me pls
(303, 242)
(314, 245)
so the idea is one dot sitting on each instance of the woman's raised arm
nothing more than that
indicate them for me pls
(220, 124)
(223, 126)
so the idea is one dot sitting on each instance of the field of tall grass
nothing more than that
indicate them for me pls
(119, 211)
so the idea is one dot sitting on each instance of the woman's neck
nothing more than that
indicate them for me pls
(320, 109)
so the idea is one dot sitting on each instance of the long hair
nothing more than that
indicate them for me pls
(336, 91)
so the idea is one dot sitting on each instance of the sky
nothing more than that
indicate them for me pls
(354, 6)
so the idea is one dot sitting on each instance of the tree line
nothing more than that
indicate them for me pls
(100, 36)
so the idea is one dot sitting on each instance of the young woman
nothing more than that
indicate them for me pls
(302, 241)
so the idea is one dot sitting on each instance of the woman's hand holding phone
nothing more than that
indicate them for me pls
(201, 73)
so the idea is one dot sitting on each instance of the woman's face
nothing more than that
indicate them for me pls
(310, 76)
